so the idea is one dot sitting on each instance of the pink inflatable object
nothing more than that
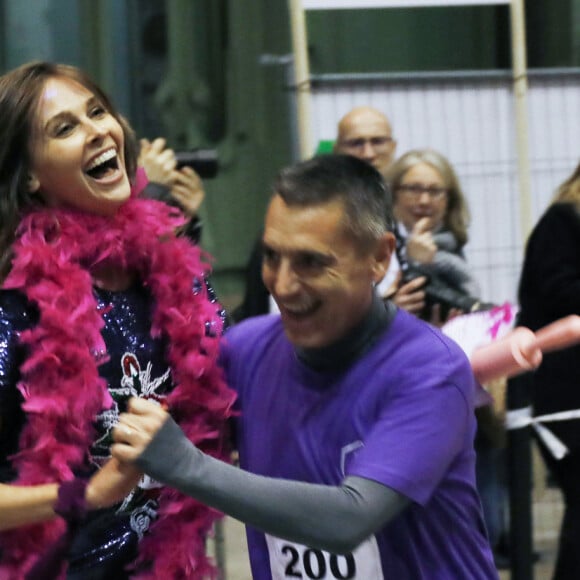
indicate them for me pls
(521, 350)
(560, 334)
(515, 353)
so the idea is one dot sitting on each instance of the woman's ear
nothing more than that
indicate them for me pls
(33, 185)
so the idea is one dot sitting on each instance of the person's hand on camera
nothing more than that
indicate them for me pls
(188, 191)
(159, 163)
(136, 429)
(410, 296)
(420, 244)
(184, 184)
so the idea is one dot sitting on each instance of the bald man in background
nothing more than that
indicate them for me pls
(366, 133)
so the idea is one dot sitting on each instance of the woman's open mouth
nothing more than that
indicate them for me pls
(103, 166)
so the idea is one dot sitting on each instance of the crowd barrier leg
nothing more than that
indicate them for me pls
(520, 483)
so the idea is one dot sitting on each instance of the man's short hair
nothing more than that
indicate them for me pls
(358, 185)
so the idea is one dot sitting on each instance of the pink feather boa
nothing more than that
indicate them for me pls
(54, 253)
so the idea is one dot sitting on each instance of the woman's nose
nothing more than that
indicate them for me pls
(95, 129)
(425, 197)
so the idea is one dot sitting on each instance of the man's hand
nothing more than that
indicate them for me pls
(420, 244)
(111, 484)
(136, 429)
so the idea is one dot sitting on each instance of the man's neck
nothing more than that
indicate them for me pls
(359, 340)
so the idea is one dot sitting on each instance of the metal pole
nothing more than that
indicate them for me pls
(518, 397)
(519, 457)
(287, 60)
(520, 87)
(301, 77)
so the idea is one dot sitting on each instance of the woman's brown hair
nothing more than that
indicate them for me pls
(20, 93)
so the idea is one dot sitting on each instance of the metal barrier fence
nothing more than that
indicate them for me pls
(469, 117)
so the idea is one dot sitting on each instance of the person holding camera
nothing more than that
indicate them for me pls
(180, 186)
(431, 230)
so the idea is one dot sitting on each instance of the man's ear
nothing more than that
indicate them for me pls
(382, 257)
(32, 184)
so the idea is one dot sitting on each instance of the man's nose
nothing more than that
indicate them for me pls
(368, 151)
(286, 280)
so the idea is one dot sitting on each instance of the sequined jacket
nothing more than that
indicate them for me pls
(136, 367)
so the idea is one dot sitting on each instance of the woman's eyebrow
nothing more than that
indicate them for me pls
(67, 115)
(54, 120)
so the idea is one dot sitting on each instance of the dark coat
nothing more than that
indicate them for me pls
(550, 289)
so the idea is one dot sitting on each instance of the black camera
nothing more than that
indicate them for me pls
(439, 291)
(203, 161)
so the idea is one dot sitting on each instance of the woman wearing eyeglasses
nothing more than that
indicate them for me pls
(435, 283)
(433, 280)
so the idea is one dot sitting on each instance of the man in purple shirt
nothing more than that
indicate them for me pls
(356, 419)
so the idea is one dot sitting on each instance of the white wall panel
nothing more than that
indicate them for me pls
(471, 120)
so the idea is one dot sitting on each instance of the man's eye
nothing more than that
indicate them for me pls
(269, 256)
(309, 263)
(354, 143)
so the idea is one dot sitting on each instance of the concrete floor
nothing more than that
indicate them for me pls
(234, 550)
(237, 565)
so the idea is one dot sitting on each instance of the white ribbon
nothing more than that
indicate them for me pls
(520, 418)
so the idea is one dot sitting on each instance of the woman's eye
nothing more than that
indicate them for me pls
(63, 129)
(98, 111)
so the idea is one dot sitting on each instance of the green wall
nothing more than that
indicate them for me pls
(394, 40)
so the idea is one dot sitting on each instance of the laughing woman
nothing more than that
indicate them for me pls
(92, 313)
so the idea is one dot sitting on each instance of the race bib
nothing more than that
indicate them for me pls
(290, 560)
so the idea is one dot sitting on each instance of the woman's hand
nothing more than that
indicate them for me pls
(136, 429)
(420, 244)
(111, 484)
(411, 295)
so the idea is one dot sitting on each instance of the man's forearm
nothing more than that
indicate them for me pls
(334, 518)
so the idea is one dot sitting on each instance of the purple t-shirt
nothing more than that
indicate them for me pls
(401, 415)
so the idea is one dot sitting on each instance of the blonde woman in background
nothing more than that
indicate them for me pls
(550, 289)
(432, 221)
